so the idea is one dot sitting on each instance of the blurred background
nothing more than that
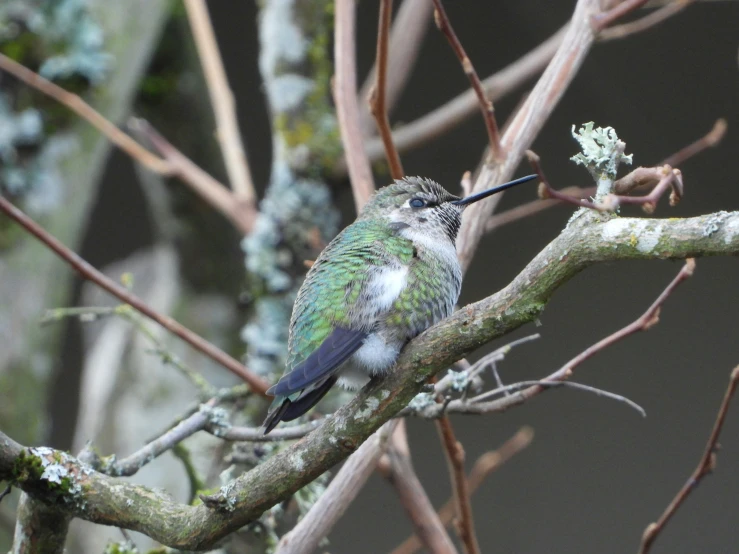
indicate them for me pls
(596, 473)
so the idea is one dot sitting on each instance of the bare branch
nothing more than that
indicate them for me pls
(527, 123)
(377, 97)
(589, 239)
(457, 110)
(646, 22)
(486, 464)
(488, 112)
(347, 109)
(643, 323)
(406, 37)
(240, 212)
(602, 20)
(402, 476)
(88, 272)
(318, 522)
(88, 113)
(622, 186)
(709, 140)
(706, 465)
(455, 460)
(507, 389)
(222, 100)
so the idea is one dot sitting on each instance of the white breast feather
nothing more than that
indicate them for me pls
(386, 285)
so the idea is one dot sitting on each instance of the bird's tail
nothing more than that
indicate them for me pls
(287, 409)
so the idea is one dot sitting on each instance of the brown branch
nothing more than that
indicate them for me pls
(662, 178)
(377, 98)
(242, 213)
(222, 100)
(647, 22)
(706, 465)
(320, 519)
(644, 322)
(488, 112)
(447, 116)
(240, 210)
(529, 120)
(602, 20)
(407, 34)
(455, 460)
(400, 473)
(622, 186)
(88, 272)
(583, 243)
(709, 140)
(485, 465)
(347, 108)
(86, 112)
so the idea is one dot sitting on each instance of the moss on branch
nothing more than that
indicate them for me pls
(589, 238)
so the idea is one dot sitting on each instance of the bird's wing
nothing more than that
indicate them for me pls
(332, 316)
(322, 362)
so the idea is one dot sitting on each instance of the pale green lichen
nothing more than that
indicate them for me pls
(421, 401)
(602, 151)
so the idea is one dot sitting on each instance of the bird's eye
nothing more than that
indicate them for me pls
(417, 203)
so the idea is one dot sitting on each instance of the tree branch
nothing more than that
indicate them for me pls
(318, 522)
(486, 464)
(88, 272)
(222, 100)
(378, 106)
(590, 238)
(455, 460)
(347, 109)
(528, 122)
(402, 476)
(458, 109)
(706, 465)
(486, 106)
(406, 36)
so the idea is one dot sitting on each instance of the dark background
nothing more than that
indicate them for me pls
(596, 473)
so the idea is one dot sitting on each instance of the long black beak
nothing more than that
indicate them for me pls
(490, 192)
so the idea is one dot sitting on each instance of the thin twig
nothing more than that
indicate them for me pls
(222, 100)
(643, 323)
(87, 314)
(605, 19)
(256, 434)
(378, 106)
(186, 428)
(400, 473)
(486, 464)
(706, 465)
(571, 384)
(406, 36)
(257, 383)
(646, 22)
(452, 113)
(488, 112)
(347, 108)
(86, 112)
(242, 214)
(527, 123)
(665, 178)
(709, 140)
(455, 460)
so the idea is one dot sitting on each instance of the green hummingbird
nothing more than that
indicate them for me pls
(383, 280)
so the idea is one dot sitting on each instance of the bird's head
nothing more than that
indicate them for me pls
(423, 207)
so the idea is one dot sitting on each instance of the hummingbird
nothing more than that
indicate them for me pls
(382, 281)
